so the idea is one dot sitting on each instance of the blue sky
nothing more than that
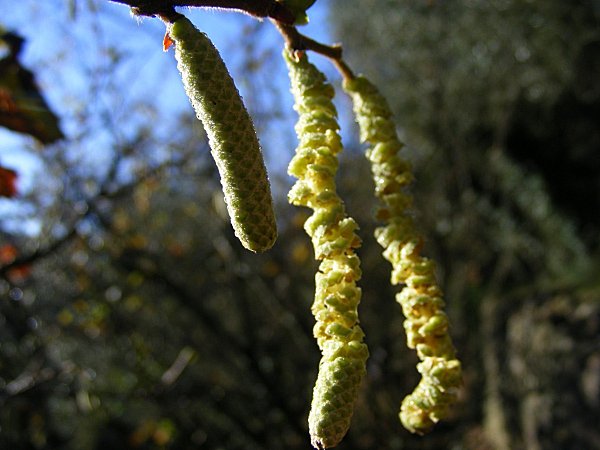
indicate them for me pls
(63, 48)
(80, 43)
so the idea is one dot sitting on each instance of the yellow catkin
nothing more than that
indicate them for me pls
(338, 334)
(233, 141)
(426, 323)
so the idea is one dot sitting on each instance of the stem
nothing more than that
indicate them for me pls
(297, 42)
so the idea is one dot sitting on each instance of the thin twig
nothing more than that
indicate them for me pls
(297, 42)
(66, 238)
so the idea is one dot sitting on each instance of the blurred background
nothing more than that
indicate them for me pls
(130, 316)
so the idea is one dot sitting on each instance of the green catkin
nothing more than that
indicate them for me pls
(338, 334)
(232, 138)
(426, 323)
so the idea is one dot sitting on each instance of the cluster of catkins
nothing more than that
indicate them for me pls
(235, 148)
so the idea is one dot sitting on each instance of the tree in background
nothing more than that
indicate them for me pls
(482, 90)
(141, 323)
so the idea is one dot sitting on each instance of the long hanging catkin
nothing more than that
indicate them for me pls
(426, 323)
(232, 138)
(338, 334)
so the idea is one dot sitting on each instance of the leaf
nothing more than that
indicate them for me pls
(22, 107)
(8, 182)
(298, 8)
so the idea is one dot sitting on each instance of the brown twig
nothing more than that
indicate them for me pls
(256, 8)
(297, 42)
(344, 69)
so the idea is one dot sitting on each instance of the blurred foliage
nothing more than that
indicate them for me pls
(22, 107)
(472, 76)
(134, 320)
(497, 102)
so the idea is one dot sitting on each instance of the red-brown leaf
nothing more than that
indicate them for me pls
(8, 182)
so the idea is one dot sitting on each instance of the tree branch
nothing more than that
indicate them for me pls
(281, 16)
(40, 253)
(255, 8)
(66, 238)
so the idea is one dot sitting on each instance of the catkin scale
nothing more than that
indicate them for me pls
(426, 323)
(232, 138)
(333, 234)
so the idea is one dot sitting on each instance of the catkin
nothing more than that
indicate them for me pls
(426, 323)
(344, 355)
(232, 138)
